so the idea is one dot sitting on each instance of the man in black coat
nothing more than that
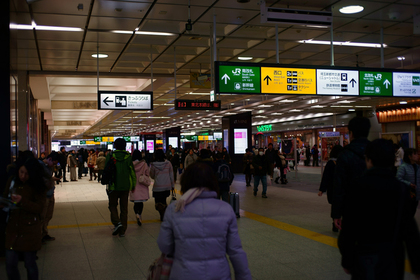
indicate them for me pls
(174, 159)
(377, 223)
(260, 164)
(350, 167)
(62, 159)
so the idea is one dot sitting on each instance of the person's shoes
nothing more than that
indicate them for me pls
(65, 181)
(264, 196)
(48, 238)
(277, 180)
(138, 217)
(90, 179)
(116, 229)
(160, 207)
(255, 193)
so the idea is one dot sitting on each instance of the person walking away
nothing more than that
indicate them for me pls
(125, 181)
(91, 164)
(327, 181)
(248, 168)
(270, 155)
(314, 153)
(174, 159)
(378, 223)
(308, 155)
(73, 164)
(63, 162)
(199, 231)
(140, 194)
(161, 171)
(224, 176)
(100, 163)
(260, 172)
(409, 174)
(226, 156)
(350, 166)
(190, 158)
(23, 231)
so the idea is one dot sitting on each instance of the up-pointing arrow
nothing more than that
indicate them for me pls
(352, 82)
(387, 83)
(267, 78)
(225, 77)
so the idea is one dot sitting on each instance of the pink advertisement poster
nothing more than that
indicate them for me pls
(150, 145)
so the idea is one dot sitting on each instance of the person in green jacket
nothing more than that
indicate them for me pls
(125, 181)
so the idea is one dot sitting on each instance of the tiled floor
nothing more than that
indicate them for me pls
(287, 236)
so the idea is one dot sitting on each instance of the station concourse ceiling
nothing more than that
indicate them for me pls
(65, 78)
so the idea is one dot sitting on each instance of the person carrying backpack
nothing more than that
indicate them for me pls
(124, 180)
(224, 176)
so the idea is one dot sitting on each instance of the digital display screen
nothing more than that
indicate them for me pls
(150, 146)
(186, 104)
(240, 140)
(217, 135)
(173, 141)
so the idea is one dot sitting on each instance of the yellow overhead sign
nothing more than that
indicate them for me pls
(288, 80)
(108, 139)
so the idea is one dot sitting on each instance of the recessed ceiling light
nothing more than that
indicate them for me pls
(245, 57)
(100, 55)
(401, 58)
(403, 102)
(287, 100)
(352, 110)
(353, 9)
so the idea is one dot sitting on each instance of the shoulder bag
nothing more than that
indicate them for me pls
(160, 269)
(144, 180)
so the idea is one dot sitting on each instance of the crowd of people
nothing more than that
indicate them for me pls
(372, 188)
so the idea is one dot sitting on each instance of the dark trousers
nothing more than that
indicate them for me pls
(248, 177)
(175, 172)
(315, 162)
(113, 197)
(100, 175)
(12, 260)
(138, 208)
(80, 170)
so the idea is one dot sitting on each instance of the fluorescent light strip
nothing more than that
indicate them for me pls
(336, 43)
(43, 27)
(144, 33)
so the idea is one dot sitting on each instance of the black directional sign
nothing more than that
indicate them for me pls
(125, 100)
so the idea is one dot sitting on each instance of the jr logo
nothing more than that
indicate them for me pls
(416, 81)
(378, 77)
(237, 72)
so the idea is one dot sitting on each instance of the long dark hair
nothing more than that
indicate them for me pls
(137, 155)
(36, 174)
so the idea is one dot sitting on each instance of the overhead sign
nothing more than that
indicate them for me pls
(266, 127)
(198, 80)
(406, 84)
(376, 83)
(187, 104)
(239, 79)
(125, 100)
(337, 82)
(288, 80)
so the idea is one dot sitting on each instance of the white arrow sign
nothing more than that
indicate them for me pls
(225, 77)
(387, 83)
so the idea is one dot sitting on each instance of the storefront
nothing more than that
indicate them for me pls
(306, 132)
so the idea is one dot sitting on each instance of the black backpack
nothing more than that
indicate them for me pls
(110, 172)
(223, 174)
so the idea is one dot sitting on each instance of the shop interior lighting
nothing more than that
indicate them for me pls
(401, 58)
(144, 33)
(245, 57)
(43, 27)
(344, 44)
(99, 55)
(403, 102)
(353, 9)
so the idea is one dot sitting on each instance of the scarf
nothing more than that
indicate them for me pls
(188, 197)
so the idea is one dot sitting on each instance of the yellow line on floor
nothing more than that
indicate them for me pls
(328, 240)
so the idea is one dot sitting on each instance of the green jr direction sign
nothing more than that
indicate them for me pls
(375, 83)
(239, 79)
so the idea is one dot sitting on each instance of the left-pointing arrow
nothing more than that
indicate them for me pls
(106, 101)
